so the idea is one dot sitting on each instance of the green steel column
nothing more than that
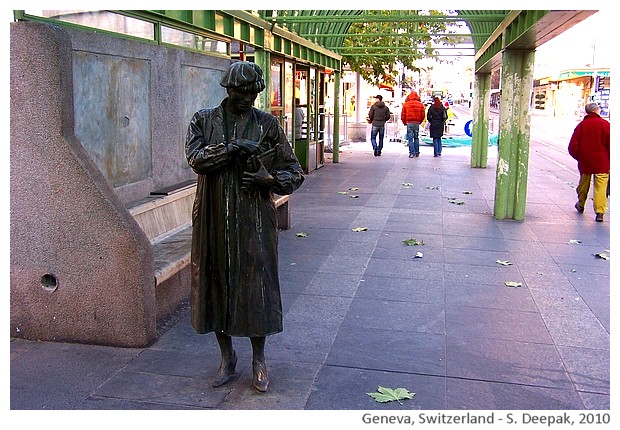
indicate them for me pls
(336, 135)
(262, 59)
(514, 134)
(480, 116)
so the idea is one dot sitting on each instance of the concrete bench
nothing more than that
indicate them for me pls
(283, 213)
(166, 219)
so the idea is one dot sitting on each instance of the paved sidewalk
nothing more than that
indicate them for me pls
(361, 312)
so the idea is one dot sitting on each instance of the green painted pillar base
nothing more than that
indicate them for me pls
(514, 135)
(262, 59)
(302, 152)
(480, 132)
(336, 134)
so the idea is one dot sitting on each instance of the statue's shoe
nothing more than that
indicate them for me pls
(260, 380)
(225, 373)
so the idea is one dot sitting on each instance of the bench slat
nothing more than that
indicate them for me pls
(172, 254)
(166, 220)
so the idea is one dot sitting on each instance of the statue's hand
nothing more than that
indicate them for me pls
(247, 147)
(260, 179)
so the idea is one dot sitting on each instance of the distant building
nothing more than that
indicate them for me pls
(567, 93)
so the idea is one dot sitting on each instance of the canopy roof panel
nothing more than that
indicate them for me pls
(490, 31)
(330, 27)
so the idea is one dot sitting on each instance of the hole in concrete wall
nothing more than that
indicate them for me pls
(49, 283)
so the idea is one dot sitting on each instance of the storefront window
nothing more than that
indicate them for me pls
(101, 19)
(275, 90)
(288, 99)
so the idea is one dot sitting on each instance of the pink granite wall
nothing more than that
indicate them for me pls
(81, 268)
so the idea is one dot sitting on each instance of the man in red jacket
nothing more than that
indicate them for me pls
(589, 145)
(412, 115)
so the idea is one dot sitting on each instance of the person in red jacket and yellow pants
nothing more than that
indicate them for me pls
(589, 145)
(412, 115)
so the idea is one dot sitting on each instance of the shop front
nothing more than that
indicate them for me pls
(297, 99)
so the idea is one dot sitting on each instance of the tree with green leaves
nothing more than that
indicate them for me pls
(378, 49)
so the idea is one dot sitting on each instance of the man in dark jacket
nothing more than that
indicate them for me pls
(378, 114)
(589, 145)
(241, 156)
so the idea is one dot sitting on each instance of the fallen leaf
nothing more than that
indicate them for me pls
(418, 255)
(467, 192)
(513, 284)
(432, 187)
(504, 263)
(302, 234)
(355, 197)
(413, 242)
(455, 201)
(353, 188)
(389, 395)
(360, 229)
(574, 241)
(573, 270)
(407, 185)
(601, 255)
(343, 192)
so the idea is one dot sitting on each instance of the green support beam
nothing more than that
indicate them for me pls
(514, 134)
(263, 59)
(383, 34)
(336, 136)
(480, 134)
(363, 18)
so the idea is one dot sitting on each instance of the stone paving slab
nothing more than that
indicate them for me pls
(360, 312)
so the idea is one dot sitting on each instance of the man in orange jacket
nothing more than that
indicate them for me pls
(412, 115)
(589, 145)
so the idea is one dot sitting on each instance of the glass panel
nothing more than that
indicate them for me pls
(312, 104)
(302, 120)
(275, 91)
(194, 41)
(219, 23)
(101, 19)
(288, 99)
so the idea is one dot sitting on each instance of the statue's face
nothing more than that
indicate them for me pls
(240, 101)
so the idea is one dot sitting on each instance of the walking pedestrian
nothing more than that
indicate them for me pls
(589, 145)
(412, 115)
(451, 115)
(437, 117)
(378, 114)
(299, 119)
(241, 156)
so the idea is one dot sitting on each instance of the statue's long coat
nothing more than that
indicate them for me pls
(234, 265)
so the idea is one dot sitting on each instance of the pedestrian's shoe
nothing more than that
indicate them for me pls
(225, 373)
(417, 154)
(411, 155)
(376, 153)
(260, 380)
(579, 208)
(599, 217)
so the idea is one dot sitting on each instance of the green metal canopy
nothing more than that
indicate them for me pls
(490, 31)
(319, 36)
(329, 27)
